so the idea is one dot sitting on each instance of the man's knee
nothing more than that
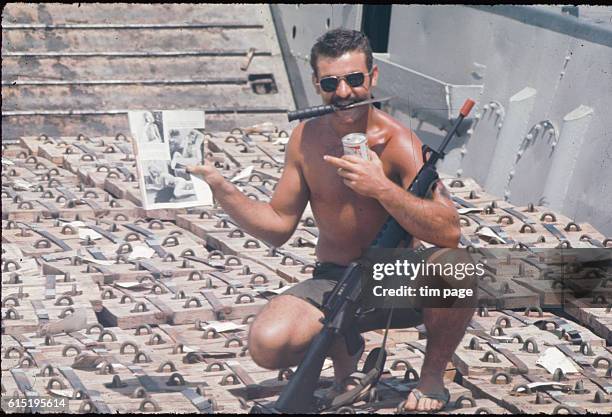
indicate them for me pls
(277, 333)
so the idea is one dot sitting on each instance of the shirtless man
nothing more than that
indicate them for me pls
(350, 199)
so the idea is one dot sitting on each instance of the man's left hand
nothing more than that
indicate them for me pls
(364, 177)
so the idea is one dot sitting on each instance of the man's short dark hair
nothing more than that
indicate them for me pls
(337, 42)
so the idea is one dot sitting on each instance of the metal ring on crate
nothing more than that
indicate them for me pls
(47, 194)
(400, 364)
(226, 378)
(125, 345)
(564, 245)
(148, 401)
(518, 337)
(168, 364)
(190, 300)
(600, 359)
(537, 309)
(54, 182)
(217, 365)
(222, 224)
(10, 297)
(205, 214)
(131, 236)
(8, 263)
(507, 377)
(187, 252)
(140, 392)
(530, 342)
(306, 269)
(216, 253)
(549, 215)
(526, 227)
(94, 326)
(139, 307)
(505, 320)
(121, 216)
(231, 139)
(65, 297)
(68, 229)
(231, 340)
(110, 149)
(106, 368)
(65, 312)
(233, 259)
(169, 257)
(121, 136)
(12, 314)
(574, 226)
(586, 349)
(156, 222)
(410, 375)
(245, 295)
(170, 241)
(51, 384)
(251, 244)
(210, 334)
(11, 349)
(87, 193)
(233, 232)
(459, 402)
(506, 217)
(124, 248)
(70, 347)
(142, 357)
(114, 203)
(490, 356)
(457, 184)
(231, 289)
(599, 299)
(497, 329)
(157, 289)
(264, 277)
(156, 339)
(125, 297)
(107, 332)
(25, 204)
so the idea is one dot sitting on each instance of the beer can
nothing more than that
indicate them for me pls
(356, 144)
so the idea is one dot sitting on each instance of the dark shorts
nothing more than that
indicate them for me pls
(324, 278)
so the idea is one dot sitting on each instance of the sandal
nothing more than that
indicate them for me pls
(419, 395)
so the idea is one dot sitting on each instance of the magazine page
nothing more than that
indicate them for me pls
(166, 143)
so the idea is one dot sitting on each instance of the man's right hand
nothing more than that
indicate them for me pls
(207, 172)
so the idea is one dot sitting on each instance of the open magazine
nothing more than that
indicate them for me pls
(166, 143)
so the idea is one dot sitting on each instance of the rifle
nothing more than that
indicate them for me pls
(341, 308)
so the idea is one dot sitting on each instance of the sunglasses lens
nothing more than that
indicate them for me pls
(329, 84)
(355, 79)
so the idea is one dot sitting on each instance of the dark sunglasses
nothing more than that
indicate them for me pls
(354, 79)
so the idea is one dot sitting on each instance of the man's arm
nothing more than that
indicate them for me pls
(435, 221)
(273, 222)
